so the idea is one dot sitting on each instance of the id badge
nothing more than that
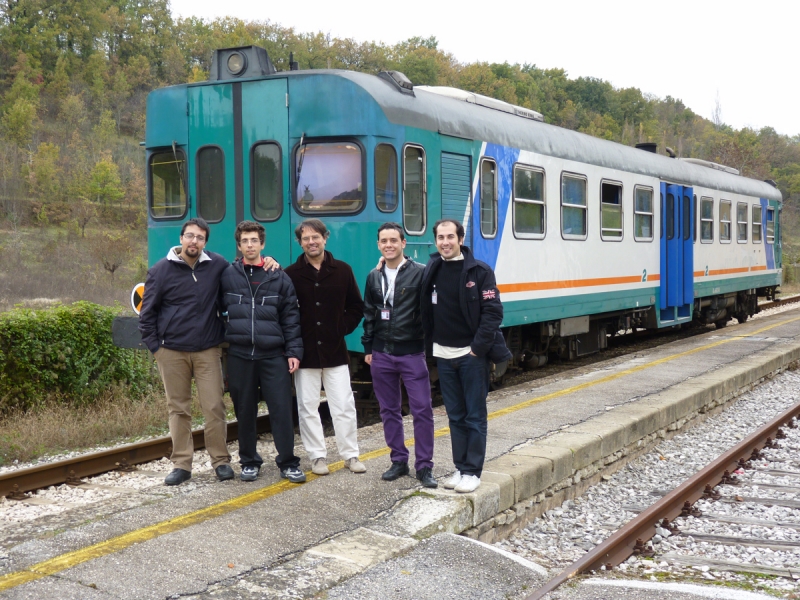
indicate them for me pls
(434, 298)
(386, 314)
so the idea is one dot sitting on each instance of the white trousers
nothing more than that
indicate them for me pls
(341, 404)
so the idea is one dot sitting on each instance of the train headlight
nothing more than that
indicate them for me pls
(237, 63)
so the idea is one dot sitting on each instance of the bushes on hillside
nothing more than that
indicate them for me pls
(64, 353)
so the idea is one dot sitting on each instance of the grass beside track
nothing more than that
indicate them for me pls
(58, 428)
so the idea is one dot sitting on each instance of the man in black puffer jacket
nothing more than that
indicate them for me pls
(263, 330)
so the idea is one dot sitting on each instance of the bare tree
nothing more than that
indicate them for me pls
(112, 250)
(716, 114)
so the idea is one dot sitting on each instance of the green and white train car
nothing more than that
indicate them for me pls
(587, 237)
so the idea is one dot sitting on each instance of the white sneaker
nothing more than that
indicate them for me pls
(319, 466)
(453, 480)
(469, 483)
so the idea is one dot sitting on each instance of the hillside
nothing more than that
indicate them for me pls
(74, 76)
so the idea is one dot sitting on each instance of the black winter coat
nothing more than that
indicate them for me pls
(264, 324)
(179, 308)
(330, 308)
(480, 305)
(402, 333)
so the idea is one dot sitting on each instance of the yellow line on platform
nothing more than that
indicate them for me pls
(77, 557)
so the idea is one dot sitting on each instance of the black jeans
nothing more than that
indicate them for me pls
(268, 379)
(464, 382)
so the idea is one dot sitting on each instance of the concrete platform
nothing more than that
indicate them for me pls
(548, 441)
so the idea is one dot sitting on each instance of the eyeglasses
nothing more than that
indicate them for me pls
(250, 242)
(199, 238)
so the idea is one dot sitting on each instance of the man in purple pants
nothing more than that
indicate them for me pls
(394, 345)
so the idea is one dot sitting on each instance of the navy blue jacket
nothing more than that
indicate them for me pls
(179, 308)
(264, 323)
(480, 305)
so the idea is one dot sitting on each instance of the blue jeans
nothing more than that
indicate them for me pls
(465, 385)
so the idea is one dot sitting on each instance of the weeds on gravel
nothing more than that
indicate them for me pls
(57, 428)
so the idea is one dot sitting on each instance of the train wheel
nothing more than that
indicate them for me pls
(721, 323)
(742, 317)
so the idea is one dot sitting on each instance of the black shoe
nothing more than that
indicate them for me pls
(397, 470)
(177, 477)
(224, 472)
(425, 475)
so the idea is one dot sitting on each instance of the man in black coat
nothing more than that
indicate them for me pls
(330, 308)
(461, 315)
(263, 330)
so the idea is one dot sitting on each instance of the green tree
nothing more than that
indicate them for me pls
(45, 173)
(19, 122)
(105, 186)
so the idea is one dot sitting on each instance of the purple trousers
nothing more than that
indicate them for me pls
(387, 370)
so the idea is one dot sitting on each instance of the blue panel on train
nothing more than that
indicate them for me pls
(487, 249)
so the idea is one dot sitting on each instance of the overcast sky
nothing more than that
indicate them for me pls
(744, 53)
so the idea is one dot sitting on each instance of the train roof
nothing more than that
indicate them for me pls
(455, 117)
(451, 116)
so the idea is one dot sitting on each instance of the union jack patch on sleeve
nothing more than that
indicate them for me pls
(489, 294)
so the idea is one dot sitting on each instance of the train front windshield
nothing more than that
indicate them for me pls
(329, 177)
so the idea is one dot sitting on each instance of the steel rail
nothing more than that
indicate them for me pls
(779, 302)
(15, 484)
(632, 536)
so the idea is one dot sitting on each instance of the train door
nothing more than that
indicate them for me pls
(457, 190)
(677, 254)
(238, 138)
(265, 163)
(212, 163)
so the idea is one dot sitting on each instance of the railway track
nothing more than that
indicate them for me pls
(674, 517)
(17, 484)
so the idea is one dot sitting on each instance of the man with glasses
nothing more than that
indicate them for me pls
(180, 325)
(263, 331)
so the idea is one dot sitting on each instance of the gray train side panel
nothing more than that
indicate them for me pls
(456, 190)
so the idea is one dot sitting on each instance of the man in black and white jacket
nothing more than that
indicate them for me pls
(263, 330)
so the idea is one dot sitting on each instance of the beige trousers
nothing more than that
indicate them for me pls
(177, 370)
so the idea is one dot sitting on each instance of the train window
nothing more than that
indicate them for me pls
(267, 188)
(687, 217)
(167, 190)
(329, 177)
(573, 207)
(611, 211)
(670, 216)
(529, 206)
(211, 183)
(643, 214)
(741, 222)
(770, 225)
(706, 220)
(724, 221)
(414, 190)
(756, 223)
(386, 177)
(488, 198)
